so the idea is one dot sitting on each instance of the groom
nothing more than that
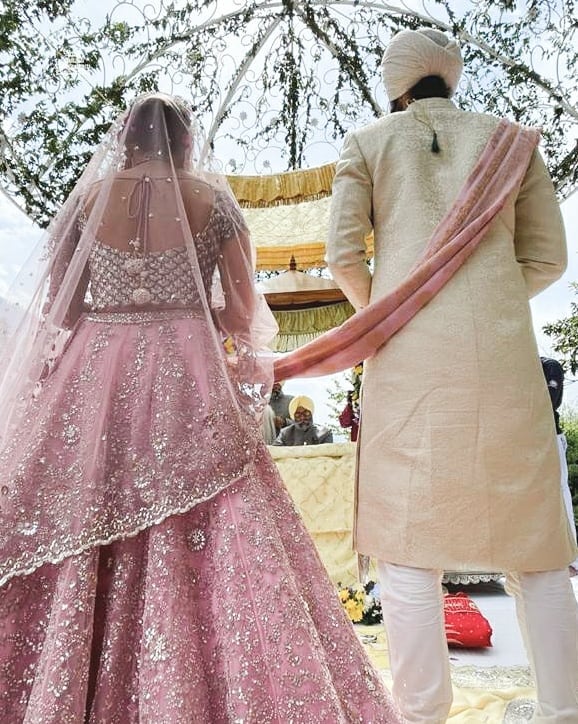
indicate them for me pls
(458, 465)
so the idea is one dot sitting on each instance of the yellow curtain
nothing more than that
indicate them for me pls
(299, 326)
(288, 215)
(283, 188)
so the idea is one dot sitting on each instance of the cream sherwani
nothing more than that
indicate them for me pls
(458, 462)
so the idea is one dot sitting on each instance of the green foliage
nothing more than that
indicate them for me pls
(564, 334)
(271, 82)
(569, 424)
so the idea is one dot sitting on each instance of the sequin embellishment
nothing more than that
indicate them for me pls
(197, 539)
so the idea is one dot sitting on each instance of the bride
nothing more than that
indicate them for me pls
(152, 565)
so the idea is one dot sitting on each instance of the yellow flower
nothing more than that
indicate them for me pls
(343, 595)
(229, 345)
(354, 610)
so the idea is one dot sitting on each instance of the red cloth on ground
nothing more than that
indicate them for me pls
(465, 625)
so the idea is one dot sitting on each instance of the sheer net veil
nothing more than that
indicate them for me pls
(151, 186)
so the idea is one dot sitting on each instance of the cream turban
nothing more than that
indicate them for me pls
(300, 401)
(414, 54)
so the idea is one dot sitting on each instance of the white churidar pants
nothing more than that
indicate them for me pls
(566, 494)
(412, 602)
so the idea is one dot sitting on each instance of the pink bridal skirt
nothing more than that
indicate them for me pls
(221, 612)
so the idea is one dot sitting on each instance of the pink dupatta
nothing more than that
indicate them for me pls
(498, 172)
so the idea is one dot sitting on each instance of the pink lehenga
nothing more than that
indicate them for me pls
(152, 565)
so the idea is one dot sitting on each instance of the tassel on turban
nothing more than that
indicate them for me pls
(300, 401)
(414, 54)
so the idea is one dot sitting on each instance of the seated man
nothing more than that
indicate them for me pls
(302, 431)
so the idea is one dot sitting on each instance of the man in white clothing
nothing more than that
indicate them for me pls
(458, 464)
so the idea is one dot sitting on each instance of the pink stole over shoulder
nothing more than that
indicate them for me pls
(498, 172)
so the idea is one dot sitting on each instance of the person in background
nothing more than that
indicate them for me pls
(279, 401)
(303, 431)
(554, 374)
(268, 425)
(458, 461)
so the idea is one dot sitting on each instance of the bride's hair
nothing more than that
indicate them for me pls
(157, 128)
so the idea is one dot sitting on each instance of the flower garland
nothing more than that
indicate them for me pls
(361, 603)
(354, 396)
(356, 375)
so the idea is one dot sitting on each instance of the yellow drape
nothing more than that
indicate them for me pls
(297, 327)
(288, 215)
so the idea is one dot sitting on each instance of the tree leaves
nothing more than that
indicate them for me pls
(564, 334)
(275, 84)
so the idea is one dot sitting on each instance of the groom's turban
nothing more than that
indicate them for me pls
(414, 54)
